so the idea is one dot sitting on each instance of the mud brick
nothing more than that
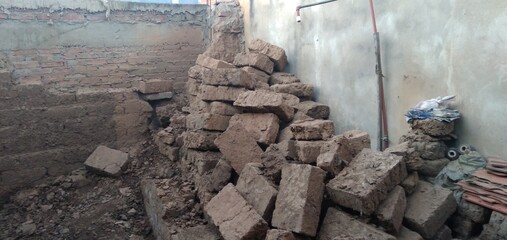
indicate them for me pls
(214, 179)
(313, 109)
(391, 210)
(207, 121)
(431, 168)
(155, 86)
(339, 225)
(357, 140)
(428, 208)
(223, 108)
(257, 190)
(219, 93)
(297, 89)
(203, 160)
(209, 62)
(308, 151)
(233, 77)
(192, 86)
(273, 161)
(202, 140)
(285, 134)
(287, 148)
(196, 105)
(411, 156)
(277, 234)
(205, 232)
(299, 199)
(290, 99)
(262, 126)
(433, 128)
(256, 60)
(283, 78)
(263, 101)
(107, 161)
(444, 233)
(256, 74)
(313, 130)
(196, 72)
(367, 180)
(275, 53)
(410, 183)
(334, 154)
(235, 218)
(239, 147)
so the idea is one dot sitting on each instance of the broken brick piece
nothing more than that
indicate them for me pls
(257, 74)
(107, 161)
(278, 234)
(367, 180)
(313, 109)
(223, 108)
(283, 78)
(428, 208)
(257, 190)
(207, 121)
(299, 199)
(297, 89)
(313, 129)
(262, 126)
(235, 218)
(233, 77)
(219, 93)
(239, 147)
(308, 151)
(410, 183)
(192, 87)
(256, 60)
(155, 86)
(262, 101)
(212, 63)
(391, 210)
(357, 140)
(201, 140)
(275, 53)
(340, 225)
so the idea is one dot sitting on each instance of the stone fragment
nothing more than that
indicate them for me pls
(192, 87)
(239, 147)
(155, 86)
(433, 127)
(308, 151)
(277, 234)
(410, 183)
(256, 60)
(313, 109)
(204, 232)
(357, 140)
(263, 101)
(233, 77)
(235, 218)
(276, 54)
(444, 233)
(299, 199)
(496, 228)
(391, 211)
(107, 161)
(223, 108)
(219, 93)
(256, 74)
(431, 168)
(207, 121)
(283, 78)
(212, 63)
(428, 208)
(407, 234)
(313, 130)
(262, 126)
(341, 226)
(257, 190)
(297, 89)
(367, 180)
(202, 140)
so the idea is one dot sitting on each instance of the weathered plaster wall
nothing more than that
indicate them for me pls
(67, 74)
(430, 48)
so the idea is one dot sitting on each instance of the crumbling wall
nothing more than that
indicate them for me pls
(454, 48)
(68, 71)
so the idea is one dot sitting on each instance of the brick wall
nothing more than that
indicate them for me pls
(67, 76)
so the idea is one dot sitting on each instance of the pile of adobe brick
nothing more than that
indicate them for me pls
(266, 163)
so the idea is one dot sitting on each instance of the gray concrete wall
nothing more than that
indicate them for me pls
(430, 48)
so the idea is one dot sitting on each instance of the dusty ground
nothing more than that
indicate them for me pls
(83, 205)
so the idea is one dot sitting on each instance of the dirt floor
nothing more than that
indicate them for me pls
(83, 205)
